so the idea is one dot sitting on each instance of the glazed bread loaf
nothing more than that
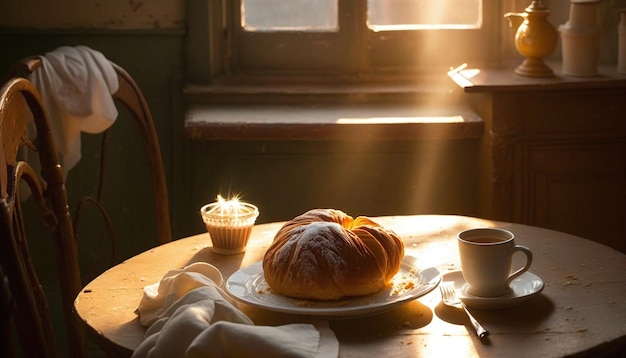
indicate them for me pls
(325, 254)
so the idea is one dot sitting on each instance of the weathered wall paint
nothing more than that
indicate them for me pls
(93, 14)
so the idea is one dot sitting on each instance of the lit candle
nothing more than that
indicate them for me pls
(229, 223)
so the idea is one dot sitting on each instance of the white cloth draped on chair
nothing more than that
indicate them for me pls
(76, 85)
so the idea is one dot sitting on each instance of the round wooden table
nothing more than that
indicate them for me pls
(581, 310)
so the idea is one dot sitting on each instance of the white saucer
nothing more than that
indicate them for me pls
(522, 288)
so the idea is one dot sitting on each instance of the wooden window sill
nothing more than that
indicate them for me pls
(371, 109)
(329, 122)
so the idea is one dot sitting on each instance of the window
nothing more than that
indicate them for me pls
(382, 15)
(292, 69)
(293, 15)
(350, 38)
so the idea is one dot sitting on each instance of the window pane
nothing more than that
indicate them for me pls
(289, 15)
(386, 15)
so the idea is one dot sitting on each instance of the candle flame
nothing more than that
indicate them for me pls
(229, 213)
(228, 207)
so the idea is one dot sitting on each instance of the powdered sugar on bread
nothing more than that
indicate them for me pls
(317, 255)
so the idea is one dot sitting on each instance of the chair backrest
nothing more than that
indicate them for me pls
(131, 97)
(25, 298)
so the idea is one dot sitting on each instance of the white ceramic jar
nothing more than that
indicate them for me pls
(580, 39)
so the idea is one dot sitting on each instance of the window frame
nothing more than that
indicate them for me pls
(214, 54)
(357, 51)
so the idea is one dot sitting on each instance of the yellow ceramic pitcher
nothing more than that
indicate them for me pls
(535, 39)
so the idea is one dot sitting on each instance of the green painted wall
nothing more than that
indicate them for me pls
(362, 178)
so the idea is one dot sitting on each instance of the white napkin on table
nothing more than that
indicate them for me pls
(76, 86)
(189, 315)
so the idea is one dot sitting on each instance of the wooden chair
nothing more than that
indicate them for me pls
(24, 301)
(131, 97)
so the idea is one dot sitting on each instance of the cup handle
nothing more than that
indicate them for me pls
(529, 261)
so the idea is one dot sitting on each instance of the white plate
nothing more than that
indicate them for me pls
(248, 285)
(522, 288)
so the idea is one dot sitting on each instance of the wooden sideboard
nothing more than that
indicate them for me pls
(554, 150)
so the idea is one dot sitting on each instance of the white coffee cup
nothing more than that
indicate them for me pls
(486, 260)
